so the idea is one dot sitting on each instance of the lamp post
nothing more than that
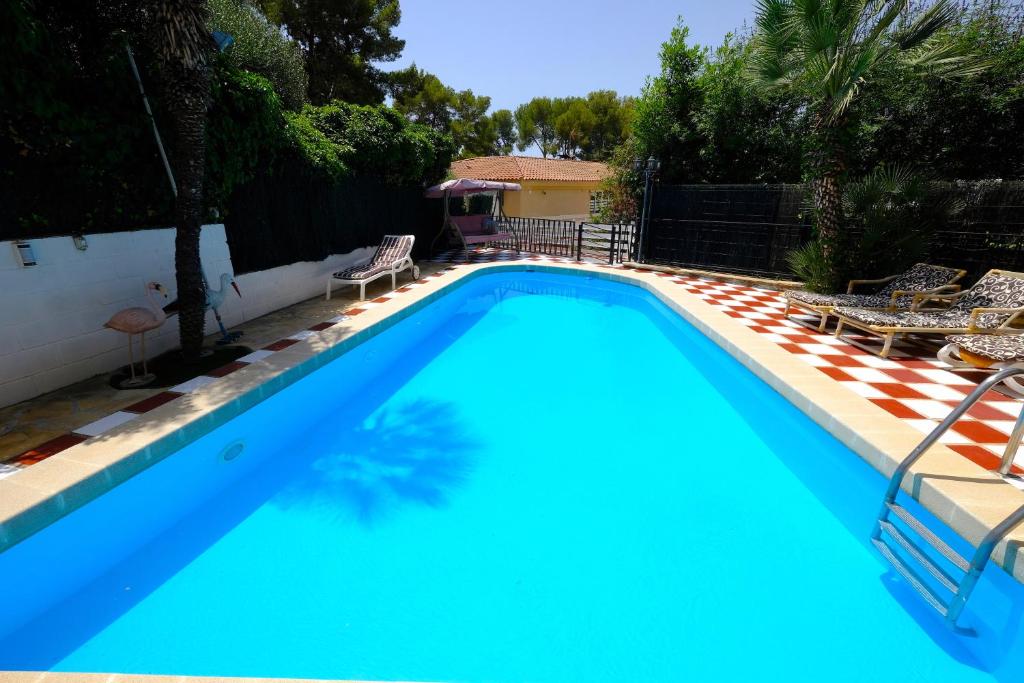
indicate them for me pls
(649, 168)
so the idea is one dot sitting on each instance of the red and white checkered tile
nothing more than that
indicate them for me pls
(911, 384)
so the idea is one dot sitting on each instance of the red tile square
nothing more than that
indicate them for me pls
(227, 369)
(897, 390)
(905, 375)
(896, 408)
(320, 326)
(842, 361)
(155, 401)
(381, 299)
(837, 374)
(981, 411)
(51, 447)
(980, 456)
(280, 344)
(979, 432)
(354, 311)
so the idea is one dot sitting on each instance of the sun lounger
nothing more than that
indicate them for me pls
(991, 306)
(892, 293)
(392, 257)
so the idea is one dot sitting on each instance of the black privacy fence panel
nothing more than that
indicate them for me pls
(732, 228)
(605, 242)
(281, 219)
(752, 228)
(986, 232)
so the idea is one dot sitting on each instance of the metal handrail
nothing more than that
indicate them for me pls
(984, 551)
(901, 470)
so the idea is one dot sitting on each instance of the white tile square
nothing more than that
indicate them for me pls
(926, 407)
(1004, 426)
(941, 376)
(302, 334)
(865, 390)
(950, 437)
(873, 361)
(819, 350)
(1011, 409)
(338, 319)
(106, 423)
(816, 361)
(869, 375)
(937, 391)
(255, 356)
(193, 384)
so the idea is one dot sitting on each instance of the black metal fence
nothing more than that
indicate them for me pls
(732, 228)
(752, 228)
(538, 235)
(605, 242)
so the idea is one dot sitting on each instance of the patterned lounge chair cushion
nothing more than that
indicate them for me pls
(993, 291)
(392, 249)
(919, 278)
(941, 320)
(997, 347)
(856, 300)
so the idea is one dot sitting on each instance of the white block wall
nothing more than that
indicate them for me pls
(52, 314)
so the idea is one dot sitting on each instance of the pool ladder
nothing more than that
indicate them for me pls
(960, 590)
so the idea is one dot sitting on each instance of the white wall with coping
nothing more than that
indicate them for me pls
(52, 314)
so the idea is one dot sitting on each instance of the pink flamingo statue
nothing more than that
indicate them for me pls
(138, 320)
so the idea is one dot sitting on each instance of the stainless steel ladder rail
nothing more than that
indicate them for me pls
(961, 590)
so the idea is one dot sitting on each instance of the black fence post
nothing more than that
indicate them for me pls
(579, 240)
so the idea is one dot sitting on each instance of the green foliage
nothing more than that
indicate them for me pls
(244, 132)
(261, 48)
(341, 42)
(575, 127)
(378, 141)
(472, 129)
(535, 123)
(891, 214)
(504, 131)
(663, 126)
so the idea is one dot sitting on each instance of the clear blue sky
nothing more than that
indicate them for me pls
(513, 50)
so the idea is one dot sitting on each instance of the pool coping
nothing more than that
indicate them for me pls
(965, 496)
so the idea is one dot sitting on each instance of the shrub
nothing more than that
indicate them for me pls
(262, 48)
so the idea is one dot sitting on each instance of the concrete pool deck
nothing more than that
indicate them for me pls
(962, 493)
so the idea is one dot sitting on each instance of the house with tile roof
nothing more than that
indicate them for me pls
(552, 188)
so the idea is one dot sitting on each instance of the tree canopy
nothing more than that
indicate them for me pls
(342, 42)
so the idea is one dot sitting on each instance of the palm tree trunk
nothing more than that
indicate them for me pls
(827, 168)
(189, 114)
(182, 45)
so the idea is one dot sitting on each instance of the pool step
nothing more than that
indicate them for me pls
(911, 548)
(912, 577)
(926, 533)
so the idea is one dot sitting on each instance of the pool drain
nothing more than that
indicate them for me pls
(232, 451)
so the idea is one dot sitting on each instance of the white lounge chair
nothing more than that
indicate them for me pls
(392, 257)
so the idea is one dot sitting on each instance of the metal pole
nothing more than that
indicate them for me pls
(579, 240)
(1011, 447)
(152, 121)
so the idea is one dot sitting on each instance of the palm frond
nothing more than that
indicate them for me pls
(929, 23)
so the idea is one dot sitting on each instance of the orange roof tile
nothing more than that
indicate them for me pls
(513, 168)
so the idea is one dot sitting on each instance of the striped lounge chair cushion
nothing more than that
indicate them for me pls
(392, 249)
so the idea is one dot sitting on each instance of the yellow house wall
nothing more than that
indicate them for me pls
(549, 199)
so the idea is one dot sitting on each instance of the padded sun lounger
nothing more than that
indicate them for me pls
(392, 257)
(991, 306)
(893, 293)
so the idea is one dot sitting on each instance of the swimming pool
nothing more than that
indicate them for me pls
(537, 477)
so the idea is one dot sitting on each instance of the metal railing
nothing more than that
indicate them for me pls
(605, 242)
(538, 235)
(961, 590)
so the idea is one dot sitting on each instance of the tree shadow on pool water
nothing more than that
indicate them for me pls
(416, 453)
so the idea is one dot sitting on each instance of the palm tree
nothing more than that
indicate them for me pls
(825, 51)
(182, 45)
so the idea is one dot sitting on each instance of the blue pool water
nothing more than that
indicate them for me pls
(538, 477)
